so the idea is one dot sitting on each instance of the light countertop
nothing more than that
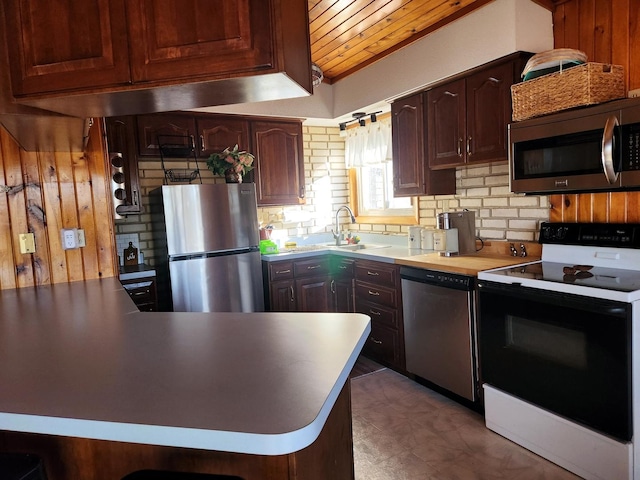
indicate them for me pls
(464, 264)
(79, 360)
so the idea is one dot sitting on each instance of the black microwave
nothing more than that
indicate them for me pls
(586, 150)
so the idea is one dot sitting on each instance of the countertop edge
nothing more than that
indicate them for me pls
(224, 441)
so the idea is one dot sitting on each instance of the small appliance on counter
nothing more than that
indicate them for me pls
(464, 224)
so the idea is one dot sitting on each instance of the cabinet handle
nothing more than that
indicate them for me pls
(193, 142)
(374, 340)
(313, 267)
(278, 272)
(373, 312)
(342, 267)
(202, 143)
(469, 146)
(460, 147)
(333, 286)
(375, 294)
(135, 198)
(451, 94)
(302, 191)
(375, 274)
(292, 298)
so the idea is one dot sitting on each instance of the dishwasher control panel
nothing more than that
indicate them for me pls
(434, 277)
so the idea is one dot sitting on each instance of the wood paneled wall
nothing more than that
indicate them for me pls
(607, 35)
(43, 192)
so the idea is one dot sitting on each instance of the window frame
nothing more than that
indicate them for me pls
(378, 219)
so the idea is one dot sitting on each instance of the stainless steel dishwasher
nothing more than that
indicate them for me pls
(439, 329)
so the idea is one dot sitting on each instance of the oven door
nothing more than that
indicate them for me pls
(566, 353)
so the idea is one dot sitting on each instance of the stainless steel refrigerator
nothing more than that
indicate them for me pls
(206, 243)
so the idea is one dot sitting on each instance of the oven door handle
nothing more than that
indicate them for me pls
(608, 147)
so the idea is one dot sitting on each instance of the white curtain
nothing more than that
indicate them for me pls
(368, 145)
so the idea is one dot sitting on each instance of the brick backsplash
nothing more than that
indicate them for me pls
(500, 214)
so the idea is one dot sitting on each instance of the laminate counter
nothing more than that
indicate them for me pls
(79, 360)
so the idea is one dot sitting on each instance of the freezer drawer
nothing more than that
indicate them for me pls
(219, 283)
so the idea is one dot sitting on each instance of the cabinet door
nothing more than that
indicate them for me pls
(488, 113)
(121, 148)
(446, 125)
(384, 346)
(172, 39)
(150, 126)
(217, 133)
(279, 172)
(282, 296)
(314, 294)
(407, 129)
(58, 46)
(343, 294)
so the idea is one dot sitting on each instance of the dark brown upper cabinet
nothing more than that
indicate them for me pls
(216, 134)
(411, 175)
(275, 143)
(279, 164)
(467, 117)
(150, 127)
(105, 58)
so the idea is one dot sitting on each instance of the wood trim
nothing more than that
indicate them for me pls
(360, 219)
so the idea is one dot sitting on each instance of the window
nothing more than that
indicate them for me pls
(368, 157)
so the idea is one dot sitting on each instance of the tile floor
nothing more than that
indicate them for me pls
(404, 431)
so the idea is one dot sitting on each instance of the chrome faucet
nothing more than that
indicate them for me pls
(337, 234)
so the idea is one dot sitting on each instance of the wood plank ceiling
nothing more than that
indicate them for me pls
(347, 35)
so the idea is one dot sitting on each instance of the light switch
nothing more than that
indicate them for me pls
(82, 242)
(27, 243)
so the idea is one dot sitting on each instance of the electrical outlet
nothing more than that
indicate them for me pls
(82, 241)
(27, 243)
(69, 238)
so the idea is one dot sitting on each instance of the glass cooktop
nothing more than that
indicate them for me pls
(582, 275)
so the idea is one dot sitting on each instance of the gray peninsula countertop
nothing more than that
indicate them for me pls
(79, 360)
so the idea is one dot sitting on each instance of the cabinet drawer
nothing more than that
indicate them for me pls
(280, 271)
(383, 344)
(143, 294)
(342, 267)
(380, 295)
(377, 273)
(378, 313)
(311, 266)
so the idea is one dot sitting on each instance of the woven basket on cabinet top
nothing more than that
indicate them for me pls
(586, 84)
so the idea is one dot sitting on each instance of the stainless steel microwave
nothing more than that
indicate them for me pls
(586, 150)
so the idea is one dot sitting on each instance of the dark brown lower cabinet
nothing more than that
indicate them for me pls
(378, 295)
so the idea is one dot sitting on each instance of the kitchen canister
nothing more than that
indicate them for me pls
(426, 238)
(415, 237)
(439, 240)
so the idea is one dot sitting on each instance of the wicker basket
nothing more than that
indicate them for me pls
(586, 84)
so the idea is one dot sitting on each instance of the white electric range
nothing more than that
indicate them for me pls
(558, 341)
